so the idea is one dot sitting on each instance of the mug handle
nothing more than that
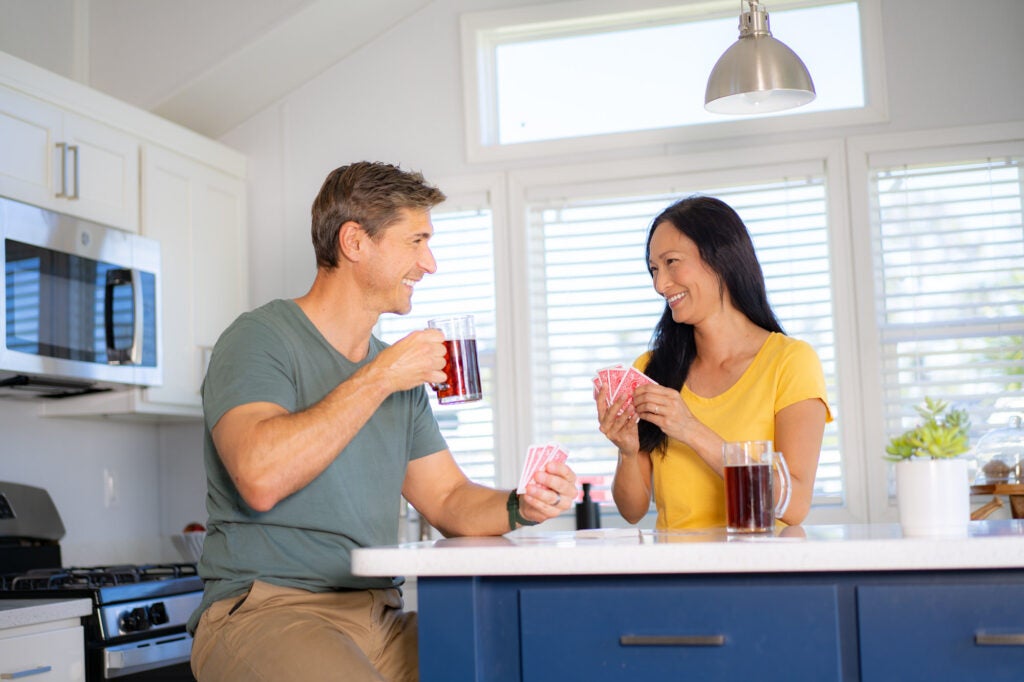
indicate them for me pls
(787, 486)
(443, 386)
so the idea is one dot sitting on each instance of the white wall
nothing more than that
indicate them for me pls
(68, 457)
(182, 482)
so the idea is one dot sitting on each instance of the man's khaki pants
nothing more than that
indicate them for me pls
(281, 633)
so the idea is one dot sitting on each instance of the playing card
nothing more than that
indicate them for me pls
(611, 377)
(615, 377)
(529, 466)
(633, 378)
(537, 458)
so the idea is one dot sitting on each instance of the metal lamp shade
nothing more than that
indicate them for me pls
(758, 74)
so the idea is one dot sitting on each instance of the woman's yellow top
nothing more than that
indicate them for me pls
(687, 492)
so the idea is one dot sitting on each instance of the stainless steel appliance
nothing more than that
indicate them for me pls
(137, 627)
(80, 305)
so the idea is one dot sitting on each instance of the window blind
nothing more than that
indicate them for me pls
(463, 247)
(593, 303)
(948, 243)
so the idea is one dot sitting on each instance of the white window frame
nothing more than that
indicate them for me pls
(472, 192)
(481, 32)
(952, 145)
(718, 168)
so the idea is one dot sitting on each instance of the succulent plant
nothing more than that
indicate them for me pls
(941, 435)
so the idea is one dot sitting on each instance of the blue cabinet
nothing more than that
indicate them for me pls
(870, 626)
(676, 632)
(957, 631)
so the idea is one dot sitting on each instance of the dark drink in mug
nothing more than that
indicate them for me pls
(750, 469)
(461, 366)
(463, 371)
(748, 497)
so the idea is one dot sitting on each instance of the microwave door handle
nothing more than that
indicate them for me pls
(138, 317)
(132, 354)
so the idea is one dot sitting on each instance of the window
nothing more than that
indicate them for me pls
(593, 305)
(948, 241)
(464, 283)
(557, 72)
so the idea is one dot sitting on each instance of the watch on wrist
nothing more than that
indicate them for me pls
(516, 519)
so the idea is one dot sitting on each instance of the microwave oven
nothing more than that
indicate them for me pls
(80, 306)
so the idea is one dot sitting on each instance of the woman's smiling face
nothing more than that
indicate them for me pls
(691, 288)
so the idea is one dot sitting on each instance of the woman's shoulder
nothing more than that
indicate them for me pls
(782, 348)
(641, 362)
(789, 344)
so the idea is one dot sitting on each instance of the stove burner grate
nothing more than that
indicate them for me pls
(92, 577)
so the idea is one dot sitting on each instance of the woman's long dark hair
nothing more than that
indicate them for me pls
(725, 246)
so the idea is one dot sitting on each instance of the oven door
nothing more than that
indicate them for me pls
(158, 658)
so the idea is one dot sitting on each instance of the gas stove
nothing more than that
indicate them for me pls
(136, 630)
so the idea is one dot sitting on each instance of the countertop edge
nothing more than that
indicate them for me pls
(20, 612)
(532, 556)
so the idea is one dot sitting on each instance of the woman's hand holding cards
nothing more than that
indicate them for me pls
(614, 390)
(618, 421)
(663, 407)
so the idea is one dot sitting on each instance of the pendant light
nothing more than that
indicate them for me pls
(758, 74)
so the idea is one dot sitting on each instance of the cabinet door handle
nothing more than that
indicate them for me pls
(25, 673)
(63, 173)
(672, 640)
(983, 639)
(73, 148)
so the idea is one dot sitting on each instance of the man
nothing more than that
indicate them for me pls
(314, 428)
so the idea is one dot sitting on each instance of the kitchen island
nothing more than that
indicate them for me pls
(843, 602)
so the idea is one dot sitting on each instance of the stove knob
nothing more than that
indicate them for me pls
(135, 620)
(158, 613)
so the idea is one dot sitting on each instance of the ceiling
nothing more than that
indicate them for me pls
(205, 64)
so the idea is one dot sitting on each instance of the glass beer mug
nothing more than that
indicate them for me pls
(749, 486)
(461, 365)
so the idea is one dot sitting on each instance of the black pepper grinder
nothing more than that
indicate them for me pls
(586, 511)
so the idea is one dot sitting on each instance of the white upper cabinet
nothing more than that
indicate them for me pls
(197, 213)
(66, 162)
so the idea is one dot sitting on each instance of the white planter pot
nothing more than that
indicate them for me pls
(934, 497)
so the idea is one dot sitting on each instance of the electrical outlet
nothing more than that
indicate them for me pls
(109, 488)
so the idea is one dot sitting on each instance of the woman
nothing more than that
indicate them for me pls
(725, 372)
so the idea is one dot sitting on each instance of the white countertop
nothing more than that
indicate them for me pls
(874, 547)
(17, 612)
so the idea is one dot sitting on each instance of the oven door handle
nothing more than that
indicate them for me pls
(132, 658)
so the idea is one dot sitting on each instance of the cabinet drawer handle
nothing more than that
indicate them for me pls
(982, 639)
(26, 673)
(672, 640)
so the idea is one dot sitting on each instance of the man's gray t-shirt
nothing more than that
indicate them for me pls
(275, 354)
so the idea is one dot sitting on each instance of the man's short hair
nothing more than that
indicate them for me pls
(369, 193)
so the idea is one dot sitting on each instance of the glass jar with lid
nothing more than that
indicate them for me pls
(1000, 454)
